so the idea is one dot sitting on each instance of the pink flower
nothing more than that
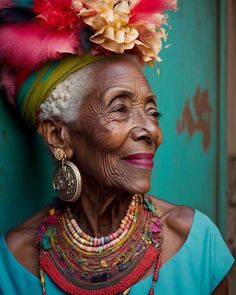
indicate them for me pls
(155, 230)
(155, 226)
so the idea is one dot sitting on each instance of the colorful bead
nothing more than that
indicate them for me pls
(82, 238)
(73, 253)
(103, 263)
(151, 291)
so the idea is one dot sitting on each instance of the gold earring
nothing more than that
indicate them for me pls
(59, 154)
(67, 180)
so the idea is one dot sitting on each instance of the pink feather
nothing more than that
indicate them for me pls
(56, 13)
(41, 6)
(148, 7)
(5, 3)
(8, 81)
(40, 44)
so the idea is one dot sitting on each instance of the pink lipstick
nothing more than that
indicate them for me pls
(143, 160)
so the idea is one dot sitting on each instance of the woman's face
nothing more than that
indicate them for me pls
(117, 133)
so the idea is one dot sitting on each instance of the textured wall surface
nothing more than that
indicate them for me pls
(188, 97)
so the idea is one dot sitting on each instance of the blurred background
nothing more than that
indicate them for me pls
(196, 90)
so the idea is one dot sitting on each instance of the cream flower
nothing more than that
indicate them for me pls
(151, 35)
(110, 21)
(116, 30)
(77, 5)
(150, 44)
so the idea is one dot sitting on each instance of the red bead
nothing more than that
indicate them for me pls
(151, 291)
(155, 276)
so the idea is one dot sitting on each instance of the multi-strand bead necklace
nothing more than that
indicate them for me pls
(97, 245)
(81, 264)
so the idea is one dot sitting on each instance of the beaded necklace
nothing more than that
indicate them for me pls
(81, 264)
(96, 245)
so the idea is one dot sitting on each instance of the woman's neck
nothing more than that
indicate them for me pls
(99, 210)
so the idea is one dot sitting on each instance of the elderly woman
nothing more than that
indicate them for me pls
(98, 117)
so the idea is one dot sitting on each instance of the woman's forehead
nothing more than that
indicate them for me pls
(111, 78)
(118, 73)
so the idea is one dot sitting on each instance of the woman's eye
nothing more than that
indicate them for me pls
(120, 108)
(155, 114)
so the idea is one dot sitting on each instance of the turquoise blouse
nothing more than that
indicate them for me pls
(196, 269)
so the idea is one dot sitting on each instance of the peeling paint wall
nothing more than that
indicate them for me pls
(197, 118)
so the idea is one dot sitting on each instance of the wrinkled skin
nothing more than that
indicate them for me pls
(118, 118)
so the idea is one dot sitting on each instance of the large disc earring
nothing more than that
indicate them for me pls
(67, 178)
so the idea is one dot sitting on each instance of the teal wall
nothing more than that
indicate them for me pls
(25, 170)
(186, 171)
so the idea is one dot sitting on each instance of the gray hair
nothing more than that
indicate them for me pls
(65, 100)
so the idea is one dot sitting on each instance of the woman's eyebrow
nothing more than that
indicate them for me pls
(113, 93)
(151, 98)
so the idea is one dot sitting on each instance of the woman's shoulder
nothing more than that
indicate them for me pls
(178, 218)
(176, 226)
(26, 231)
(20, 241)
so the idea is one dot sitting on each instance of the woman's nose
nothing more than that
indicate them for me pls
(146, 130)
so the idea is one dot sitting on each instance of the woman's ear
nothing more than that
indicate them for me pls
(56, 135)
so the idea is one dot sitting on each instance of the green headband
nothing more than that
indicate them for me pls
(39, 84)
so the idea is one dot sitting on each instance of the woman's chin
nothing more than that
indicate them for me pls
(139, 188)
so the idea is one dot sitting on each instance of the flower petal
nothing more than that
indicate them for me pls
(120, 36)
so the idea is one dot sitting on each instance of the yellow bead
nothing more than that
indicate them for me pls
(52, 211)
(103, 263)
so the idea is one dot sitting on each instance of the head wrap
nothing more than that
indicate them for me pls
(38, 34)
(39, 84)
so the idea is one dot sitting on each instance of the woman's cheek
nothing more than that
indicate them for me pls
(110, 138)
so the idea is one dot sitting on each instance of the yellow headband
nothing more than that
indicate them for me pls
(39, 84)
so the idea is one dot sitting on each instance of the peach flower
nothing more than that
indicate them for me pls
(116, 30)
(110, 21)
(77, 5)
(151, 35)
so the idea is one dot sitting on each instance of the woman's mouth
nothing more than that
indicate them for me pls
(143, 160)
